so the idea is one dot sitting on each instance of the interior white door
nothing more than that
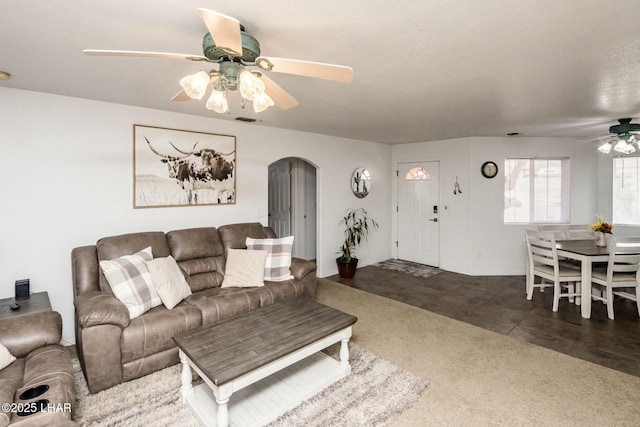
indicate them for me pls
(280, 197)
(419, 212)
(309, 211)
(303, 201)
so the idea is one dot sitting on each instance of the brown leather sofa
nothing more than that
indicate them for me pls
(38, 388)
(113, 348)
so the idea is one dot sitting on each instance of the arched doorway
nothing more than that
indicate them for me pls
(292, 203)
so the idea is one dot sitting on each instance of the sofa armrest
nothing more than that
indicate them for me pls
(28, 332)
(301, 267)
(95, 308)
(100, 319)
(85, 270)
(100, 353)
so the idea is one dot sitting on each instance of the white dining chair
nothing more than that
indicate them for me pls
(530, 284)
(543, 263)
(622, 272)
(579, 232)
(558, 230)
(568, 231)
(562, 232)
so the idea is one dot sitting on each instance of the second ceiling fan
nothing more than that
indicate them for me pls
(622, 137)
(234, 50)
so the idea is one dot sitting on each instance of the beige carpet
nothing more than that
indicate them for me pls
(373, 394)
(480, 378)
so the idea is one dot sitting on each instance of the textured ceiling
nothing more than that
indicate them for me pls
(423, 70)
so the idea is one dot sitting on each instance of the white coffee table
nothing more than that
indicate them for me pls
(259, 365)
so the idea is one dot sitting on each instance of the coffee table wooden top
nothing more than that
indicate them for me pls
(231, 348)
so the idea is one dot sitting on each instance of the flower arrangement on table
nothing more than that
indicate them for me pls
(602, 226)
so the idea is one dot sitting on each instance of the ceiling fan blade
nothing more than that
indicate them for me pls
(339, 73)
(181, 96)
(224, 30)
(98, 52)
(586, 141)
(280, 97)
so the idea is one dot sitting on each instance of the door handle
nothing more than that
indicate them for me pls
(434, 220)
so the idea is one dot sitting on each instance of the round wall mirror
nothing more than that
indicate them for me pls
(361, 182)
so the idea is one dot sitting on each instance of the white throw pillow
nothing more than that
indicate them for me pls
(131, 282)
(244, 268)
(278, 264)
(6, 358)
(168, 281)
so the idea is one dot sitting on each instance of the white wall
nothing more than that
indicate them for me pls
(473, 237)
(66, 181)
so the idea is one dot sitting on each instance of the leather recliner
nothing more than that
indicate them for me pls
(38, 388)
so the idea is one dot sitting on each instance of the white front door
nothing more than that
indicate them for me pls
(419, 212)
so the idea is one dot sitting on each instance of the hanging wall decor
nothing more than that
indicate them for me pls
(456, 188)
(173, 167)
(361, 182)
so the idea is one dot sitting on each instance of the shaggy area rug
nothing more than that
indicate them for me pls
(373, 394)
(408, 267)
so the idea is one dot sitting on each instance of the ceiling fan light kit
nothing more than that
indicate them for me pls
(605, 148)
(248, 83)
(195, 85)
(262, 102)
(622, 138)
(229, 46)
(218, 99)
(250, 86)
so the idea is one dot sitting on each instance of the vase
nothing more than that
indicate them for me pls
(601, 239)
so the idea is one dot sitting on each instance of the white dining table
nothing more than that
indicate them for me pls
(587, 253)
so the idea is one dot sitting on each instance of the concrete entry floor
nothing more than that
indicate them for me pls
(499, 304)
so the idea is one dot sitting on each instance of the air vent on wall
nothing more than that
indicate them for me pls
(245, 119)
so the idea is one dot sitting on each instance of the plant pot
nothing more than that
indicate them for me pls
(347, 270)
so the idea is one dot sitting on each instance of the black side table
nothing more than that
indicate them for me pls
(37, 302)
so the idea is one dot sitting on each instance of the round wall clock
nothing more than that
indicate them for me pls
(489, 169)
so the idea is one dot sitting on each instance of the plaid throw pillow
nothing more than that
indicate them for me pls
(131, 283)
(278, 265)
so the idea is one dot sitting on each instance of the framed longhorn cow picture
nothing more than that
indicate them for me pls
(173, 167)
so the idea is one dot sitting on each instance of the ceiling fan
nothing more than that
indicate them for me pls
(234, 50)
(625, 136)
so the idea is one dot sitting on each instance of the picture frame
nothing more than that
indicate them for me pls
(175, 167)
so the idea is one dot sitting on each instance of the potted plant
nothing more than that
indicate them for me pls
(357, 227)
(601, 228)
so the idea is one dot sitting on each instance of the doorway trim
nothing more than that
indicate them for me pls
(304, 178)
